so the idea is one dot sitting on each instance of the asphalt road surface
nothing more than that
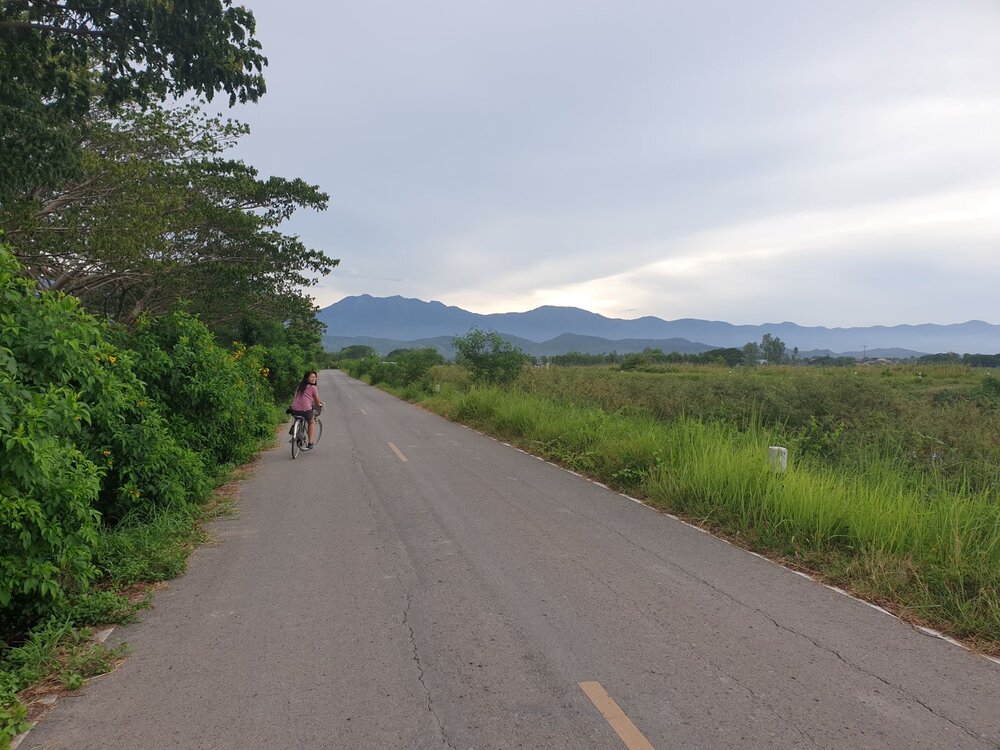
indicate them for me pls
(413, 584)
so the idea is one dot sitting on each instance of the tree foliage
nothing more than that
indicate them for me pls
(159, 215)
(57, 59)
(491, 358)
(773, 349)
(291, 341)
(770, 349)
(355, 351)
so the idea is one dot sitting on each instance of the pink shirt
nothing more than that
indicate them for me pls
(304, 401)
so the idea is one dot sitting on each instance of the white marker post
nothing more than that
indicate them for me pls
(778, 458)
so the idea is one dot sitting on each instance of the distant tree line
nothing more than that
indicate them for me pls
(770, 350)
(970, 360)
(489, 358)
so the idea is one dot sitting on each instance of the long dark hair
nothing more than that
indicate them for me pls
(301, 387)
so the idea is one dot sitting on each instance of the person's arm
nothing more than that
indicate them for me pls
(316, 398)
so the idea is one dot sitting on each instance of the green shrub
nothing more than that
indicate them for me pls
(47, 484)
(283, 368)
(492, 359)
(216, 402)
(82, 438)
(410, 368)
(56, 344)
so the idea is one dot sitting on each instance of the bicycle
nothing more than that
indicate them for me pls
(300, 432)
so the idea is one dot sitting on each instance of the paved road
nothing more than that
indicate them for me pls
(459, 598)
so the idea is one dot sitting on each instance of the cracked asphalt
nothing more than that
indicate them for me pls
(458, 599)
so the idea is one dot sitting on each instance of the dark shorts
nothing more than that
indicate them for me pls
(306, 415)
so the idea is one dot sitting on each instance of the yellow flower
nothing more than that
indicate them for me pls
(112, 358)
(106, 453)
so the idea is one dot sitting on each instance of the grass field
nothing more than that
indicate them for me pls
(892, 485)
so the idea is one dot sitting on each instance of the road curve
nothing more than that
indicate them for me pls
(413, 584)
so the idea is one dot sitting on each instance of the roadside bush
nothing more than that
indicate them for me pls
(283, 367)
(407, 371)
(364, 367)
(217, 402)
(81, 439)
(57, 344)
(47, 484)
(492, 359)
(410, 368)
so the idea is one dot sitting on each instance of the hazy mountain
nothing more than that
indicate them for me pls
(400, 319)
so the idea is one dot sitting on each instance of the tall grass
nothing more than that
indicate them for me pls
(910, 541)
(941, 422)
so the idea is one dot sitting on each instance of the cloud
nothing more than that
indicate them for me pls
(862, 261)
(721, 160)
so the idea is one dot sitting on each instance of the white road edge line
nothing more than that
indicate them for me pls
(926, 631)
(20, 738)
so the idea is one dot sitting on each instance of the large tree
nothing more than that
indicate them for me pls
(773, 349)
(158, 214)
(58, 58)
(492, 359)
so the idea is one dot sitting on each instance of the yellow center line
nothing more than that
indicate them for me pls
(399, 453)
(627, 731)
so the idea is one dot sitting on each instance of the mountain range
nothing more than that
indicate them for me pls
(396, 322)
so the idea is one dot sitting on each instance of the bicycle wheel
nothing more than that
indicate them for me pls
(317, 430)
(297, 437)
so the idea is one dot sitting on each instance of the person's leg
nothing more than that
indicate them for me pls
(307, 417)
(312, 429)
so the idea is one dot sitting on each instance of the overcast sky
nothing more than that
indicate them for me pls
(825, 163)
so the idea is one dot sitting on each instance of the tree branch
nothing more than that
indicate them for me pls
(55, 29)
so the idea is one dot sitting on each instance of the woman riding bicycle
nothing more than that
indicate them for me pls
(306, 397)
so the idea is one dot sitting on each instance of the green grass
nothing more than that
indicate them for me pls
(918, 541)
(940, 423)
(149, 549)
